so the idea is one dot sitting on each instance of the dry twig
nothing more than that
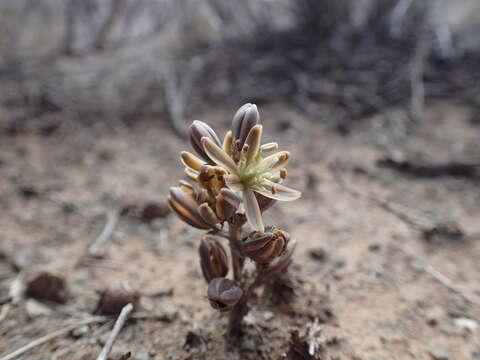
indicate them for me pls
(127, 309)
(53, 335)
(106, 233)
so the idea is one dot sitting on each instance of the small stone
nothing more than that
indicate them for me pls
(438, 352)
(318, 254)
(142, 355)
(465, 323)
(35, 308)
(268, 315)
(79, 332)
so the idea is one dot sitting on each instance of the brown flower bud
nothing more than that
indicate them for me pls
(208, 215)
(186, 207)
(223, 294)
(213, 258)
(264, 247)
(281, 263)
(226, 204)
(197, 130)
(244, 120)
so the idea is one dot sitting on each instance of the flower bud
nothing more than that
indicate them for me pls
(213, 258)
(223, 294)
(264, 247)
(281, 263)
(244, 120)
(226, 204)
(186, 208)
(197, 130)
(208, 214)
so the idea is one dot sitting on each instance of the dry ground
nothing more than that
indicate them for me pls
(360, 267)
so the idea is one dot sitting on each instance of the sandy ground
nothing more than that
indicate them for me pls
(368, 279)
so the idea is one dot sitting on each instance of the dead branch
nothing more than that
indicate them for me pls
(127, 309)
(431, 170)
(176, 92)
(106, 233)
(53, 335)
(117, 7)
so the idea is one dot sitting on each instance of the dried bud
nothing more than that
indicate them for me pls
(223, 294)
(244, 120)
(213, 258)
(264, 247)
(226, 204)
(197, 130)
(186, 208)
(281, 263)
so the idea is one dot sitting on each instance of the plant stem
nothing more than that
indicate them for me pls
(239, 311)
(237, 258)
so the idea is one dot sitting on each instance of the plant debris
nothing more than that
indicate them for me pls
(424, 169)
(112, 302)
(47, 287)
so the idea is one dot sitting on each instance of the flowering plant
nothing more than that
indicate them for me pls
(231, 183)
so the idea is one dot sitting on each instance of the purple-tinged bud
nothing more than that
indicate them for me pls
(223, 294)
(243, 121)
(208, 215)
(184, 205)
(265, 247)
(197, 131)
(226, 204)
(281, 263)
(213, 258)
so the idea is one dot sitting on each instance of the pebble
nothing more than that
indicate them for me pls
(35, 308)
(465, 323)
(438, 352)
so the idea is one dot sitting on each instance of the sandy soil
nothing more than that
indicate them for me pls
(368, 282)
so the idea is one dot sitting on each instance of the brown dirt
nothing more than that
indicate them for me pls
(371, 299)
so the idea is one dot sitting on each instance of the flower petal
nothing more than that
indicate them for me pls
(217, 154)
(253, 141)
(227, 143)
(252, 211)
(274, 162)
(233, 182)
(276, 191)
(269, 147)
(191, 161)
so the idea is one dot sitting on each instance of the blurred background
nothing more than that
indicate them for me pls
(378, 102)
(128, 60)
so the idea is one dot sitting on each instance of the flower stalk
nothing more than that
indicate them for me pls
(229, 185)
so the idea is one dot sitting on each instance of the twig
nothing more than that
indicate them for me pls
(53, 335)
(4, 312)
(106, 233)
(127, 309)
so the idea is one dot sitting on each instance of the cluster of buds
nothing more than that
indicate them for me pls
(231, 183)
